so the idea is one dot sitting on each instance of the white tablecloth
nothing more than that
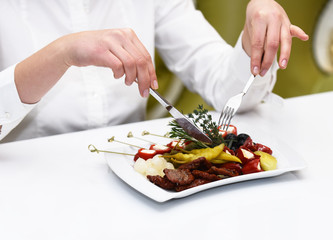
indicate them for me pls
(54, 188)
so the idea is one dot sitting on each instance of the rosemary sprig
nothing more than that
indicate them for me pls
(202, 119)
(178, 132)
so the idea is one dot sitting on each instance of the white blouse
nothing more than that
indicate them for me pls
(89, 97)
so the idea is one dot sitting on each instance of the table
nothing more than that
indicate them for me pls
(54, 188)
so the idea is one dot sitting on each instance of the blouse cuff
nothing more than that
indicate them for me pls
(11, 107)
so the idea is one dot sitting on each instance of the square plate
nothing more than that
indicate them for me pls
(122, 166)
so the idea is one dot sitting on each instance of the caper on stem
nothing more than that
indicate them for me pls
(157, 135)
(130, 135)
(92, 148)
(112, 139)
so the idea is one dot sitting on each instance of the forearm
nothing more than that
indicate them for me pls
(37, 74)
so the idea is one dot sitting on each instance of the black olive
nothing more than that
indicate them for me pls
(234, 147)
(230, 136)
(231, 141)
(241, 138)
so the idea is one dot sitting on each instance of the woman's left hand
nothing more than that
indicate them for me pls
(268, 28)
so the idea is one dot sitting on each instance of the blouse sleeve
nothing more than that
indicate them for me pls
(12, 110)
(195, 52)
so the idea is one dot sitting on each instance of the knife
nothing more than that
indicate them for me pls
(189, 127)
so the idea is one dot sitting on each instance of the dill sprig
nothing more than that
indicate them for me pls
(202, 119)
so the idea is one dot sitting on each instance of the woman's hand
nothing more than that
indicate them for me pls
(267, 27)
(118, 49)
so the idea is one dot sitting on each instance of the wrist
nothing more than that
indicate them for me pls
(37, 74)
(62, 47)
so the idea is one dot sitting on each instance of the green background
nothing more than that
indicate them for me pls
(301, 77)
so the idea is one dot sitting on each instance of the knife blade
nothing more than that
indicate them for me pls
(189, 127)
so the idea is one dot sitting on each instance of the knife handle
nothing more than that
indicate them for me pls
(159, 98)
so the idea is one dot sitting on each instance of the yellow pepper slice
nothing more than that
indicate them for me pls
(267, 161)
(181, 157)
(226, 157)
(208, 153)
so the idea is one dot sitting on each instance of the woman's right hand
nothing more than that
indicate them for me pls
(118, 49)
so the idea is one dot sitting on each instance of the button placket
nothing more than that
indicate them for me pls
(93, 91)
(78, 12)
(95, 97)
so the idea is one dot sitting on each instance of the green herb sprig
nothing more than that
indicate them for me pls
(202, 119)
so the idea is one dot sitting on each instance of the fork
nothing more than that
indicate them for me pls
(232, 106)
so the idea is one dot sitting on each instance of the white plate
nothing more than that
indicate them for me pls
(122, 166)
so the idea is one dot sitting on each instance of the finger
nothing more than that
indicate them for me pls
(143, 76)
(296, 31)
(142, 69)
(114, 63)
(129, 64)
(151, 69)
(286, 42)
(257, 46)
(271, 46)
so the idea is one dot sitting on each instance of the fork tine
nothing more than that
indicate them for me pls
(231, 115)
(225, 115)
(232, 106)
(225, 118)
(222, 116)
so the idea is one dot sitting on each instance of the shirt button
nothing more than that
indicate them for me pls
(5, 115)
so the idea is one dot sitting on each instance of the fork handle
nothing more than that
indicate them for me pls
(248, 84)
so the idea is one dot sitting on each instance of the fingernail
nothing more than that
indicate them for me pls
(155, 84)
(255, 70)
(145, 93)
(263, 72)
(284, 63)
(128, 82)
